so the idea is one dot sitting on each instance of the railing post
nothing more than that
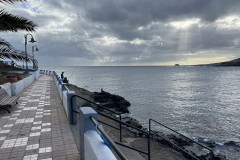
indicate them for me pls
(72, 106)
(120, 129)
(57, 80)
(149, 140)
(86, 125)
(64, 87)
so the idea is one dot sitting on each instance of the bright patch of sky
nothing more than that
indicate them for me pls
(25, 5)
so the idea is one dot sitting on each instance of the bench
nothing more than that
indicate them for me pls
(7, 101)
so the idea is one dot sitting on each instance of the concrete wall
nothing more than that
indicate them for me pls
(15, 88)
(36, 74)
(95, 148)
(92, 146)
(60, 90)
(65, 102)
(7, 87)
(51, 73)
(66, 96)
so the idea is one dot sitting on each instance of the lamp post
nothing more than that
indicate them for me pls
(22, 53)
(32, 41)
(36, 49)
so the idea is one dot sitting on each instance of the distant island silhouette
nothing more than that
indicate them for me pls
(235, 62)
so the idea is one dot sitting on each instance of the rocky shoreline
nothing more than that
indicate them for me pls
(159, 146)
(232, 63)
(112, 101)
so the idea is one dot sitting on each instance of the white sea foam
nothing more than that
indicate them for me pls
(221, 143)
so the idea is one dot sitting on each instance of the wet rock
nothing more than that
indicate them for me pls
(112, 101)
(133, 122)
(179, 141)
(220, 157)
(231, 143)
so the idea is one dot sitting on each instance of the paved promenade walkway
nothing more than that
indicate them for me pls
(37, 127)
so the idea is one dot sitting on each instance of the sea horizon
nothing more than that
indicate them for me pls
(196, 101)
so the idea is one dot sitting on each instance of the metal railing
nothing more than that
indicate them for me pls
(120, 125)
(147, 133)
(183, 150)
(118, 114)
(108, 139)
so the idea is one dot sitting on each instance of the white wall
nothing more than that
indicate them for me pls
(36, 74)
(60, 91)
(95, 148)
(15, 88)
(65, 101)
(7, 87)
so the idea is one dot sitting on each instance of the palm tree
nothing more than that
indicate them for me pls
(12, 23)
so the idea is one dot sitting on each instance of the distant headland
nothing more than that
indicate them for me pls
(235, 62)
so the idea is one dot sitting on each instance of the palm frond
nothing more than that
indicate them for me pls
(6, 53)
(4, 43)
(11, 1)
(13, 23)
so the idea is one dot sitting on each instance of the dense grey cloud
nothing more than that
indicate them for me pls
(132, 32)
(124, 17)
(141, 12)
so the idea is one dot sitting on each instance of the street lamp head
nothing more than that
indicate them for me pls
(32, 40)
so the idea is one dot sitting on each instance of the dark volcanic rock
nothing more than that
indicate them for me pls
(112, 101)
(235, 62)
(220, 157)
(179, 140)
(133, 122)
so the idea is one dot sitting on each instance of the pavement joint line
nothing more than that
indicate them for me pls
(37, 127)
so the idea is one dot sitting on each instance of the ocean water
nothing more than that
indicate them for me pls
(201, 102)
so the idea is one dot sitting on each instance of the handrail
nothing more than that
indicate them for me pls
(96, 104)
(147, 133)
(124, 123)
(108, 139)
(120, 116)
(211, 152)
(66, 88)
(120, 122)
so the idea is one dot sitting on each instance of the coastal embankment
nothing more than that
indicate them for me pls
(160, 149)
(132, 138)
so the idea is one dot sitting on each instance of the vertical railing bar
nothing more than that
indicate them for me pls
(149, 131)
(120, 128)
(98, 105)
(119, 121)
(149, 139)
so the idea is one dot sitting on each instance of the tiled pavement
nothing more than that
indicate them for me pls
(37, 127)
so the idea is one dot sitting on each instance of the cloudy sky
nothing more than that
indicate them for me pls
(130, 32)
